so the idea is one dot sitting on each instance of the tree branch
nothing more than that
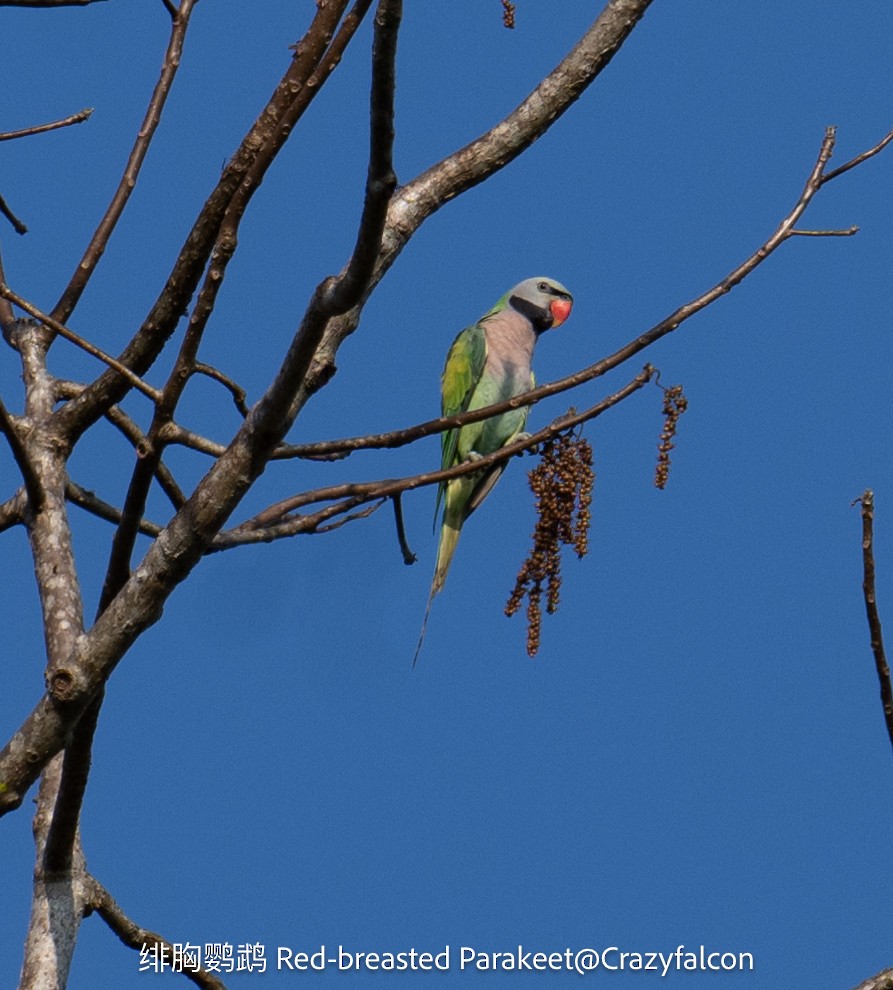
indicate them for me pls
(881, 981)
(181, 545)
(17, 224)
(313, 62)
(85, 345)
(859, 159)
(75, 118)
(486, 155)
(55, 906)
(399, 438)
(7, 315)
(178, 548)
(131, 432)
(87, 265)
(136, 937)
(866, 500)
(236, 391)
(33, 486)
(47, 3)
(90, 502)
(12, 511)
(266, 526)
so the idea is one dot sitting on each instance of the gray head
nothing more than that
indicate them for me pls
(545, 302)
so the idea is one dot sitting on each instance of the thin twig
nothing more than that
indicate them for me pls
(351, 516)
(399, 438)
(136, 937)
(866, 500)
(90, 502)
(314, 60)
(848, 232)
(87, 265)
(137, 438)
(853, 162)
(237, 392)
(47, 3)
(75, 118)
(408, 556)
(17, 224)
(269, 525)
(79, 341)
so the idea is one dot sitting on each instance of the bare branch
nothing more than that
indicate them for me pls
(853, 162)
(408, 556)
(90, 502)
(76, 339)
(848, 232)
(136, 937)
(268, 525)
(182, 543)
(75, 118)
(881, 981)
(56, 907)
(128, 428)
(47, 3)
(120, 557)
(17, 224)
(866, 500)
(398, 438)
(313, 62)
(61, 841)
(87, 265)
(7, 315)
(486, 155)
(12, 511)
(237, 392)
(32, 482)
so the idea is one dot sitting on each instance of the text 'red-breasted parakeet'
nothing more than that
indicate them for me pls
(489, 362)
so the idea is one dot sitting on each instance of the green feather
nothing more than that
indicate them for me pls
(463, 370)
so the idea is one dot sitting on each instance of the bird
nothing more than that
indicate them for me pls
(488, 362)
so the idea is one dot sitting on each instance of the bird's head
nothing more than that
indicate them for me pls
(545, 302)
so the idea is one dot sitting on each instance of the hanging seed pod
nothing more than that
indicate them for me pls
(675, 405)
(562, 485)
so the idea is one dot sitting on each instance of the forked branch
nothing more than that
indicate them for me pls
(134, 936)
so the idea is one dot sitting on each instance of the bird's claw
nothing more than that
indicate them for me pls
(474, 456)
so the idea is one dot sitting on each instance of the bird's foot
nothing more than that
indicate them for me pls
(473, 456)
(523, 437)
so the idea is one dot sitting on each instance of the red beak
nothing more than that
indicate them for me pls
(561, 310)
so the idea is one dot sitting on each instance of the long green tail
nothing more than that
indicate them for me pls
(449, 537)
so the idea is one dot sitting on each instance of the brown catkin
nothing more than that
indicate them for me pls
(675, 404)
(508, 13)
(562, 485)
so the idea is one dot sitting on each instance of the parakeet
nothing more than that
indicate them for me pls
(489, 362)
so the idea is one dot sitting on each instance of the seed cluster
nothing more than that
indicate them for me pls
(675, 405)
(562, 487)
(508, 13)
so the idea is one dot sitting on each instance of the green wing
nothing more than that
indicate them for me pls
(461, 374)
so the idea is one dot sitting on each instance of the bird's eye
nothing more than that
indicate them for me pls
(544, 287)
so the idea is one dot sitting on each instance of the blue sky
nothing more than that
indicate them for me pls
(697, 756)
